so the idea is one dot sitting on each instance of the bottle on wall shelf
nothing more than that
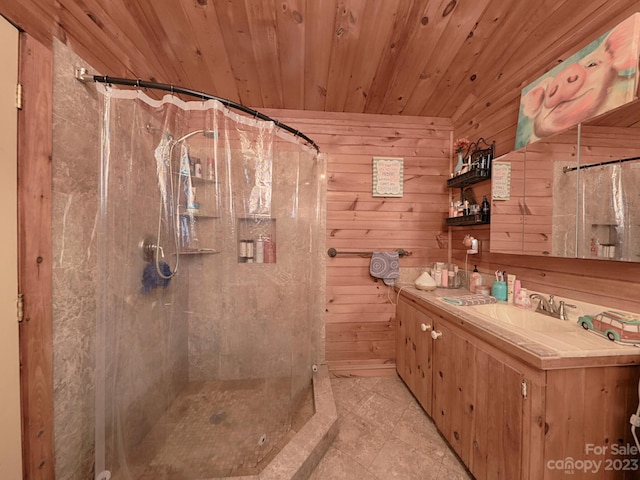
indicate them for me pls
(484, 210)
(259, 254)
(269, 250)
(250, 250)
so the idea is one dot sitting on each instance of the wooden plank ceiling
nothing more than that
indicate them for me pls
(442, 58)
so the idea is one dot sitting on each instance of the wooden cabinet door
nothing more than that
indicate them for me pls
(454, 384)
(477, 406)
(423, 389)
(405, 346)
(413, 352)
(497, 447)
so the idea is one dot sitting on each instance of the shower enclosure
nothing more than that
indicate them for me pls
(210, 291)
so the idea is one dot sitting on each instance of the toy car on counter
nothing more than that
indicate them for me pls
(616, 326)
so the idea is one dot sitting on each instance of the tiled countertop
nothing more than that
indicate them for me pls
(572, 347)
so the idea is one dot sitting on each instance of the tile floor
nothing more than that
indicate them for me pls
(385, 434)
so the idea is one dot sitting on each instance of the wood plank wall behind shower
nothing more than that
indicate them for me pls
(359, 316)
(360, 329)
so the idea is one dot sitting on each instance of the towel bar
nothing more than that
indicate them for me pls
(332, 252)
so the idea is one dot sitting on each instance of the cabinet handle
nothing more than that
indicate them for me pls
(435, 335)
(425, 326)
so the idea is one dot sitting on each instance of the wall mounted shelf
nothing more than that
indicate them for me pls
(465, 220)
(480, 170)
(469, 178)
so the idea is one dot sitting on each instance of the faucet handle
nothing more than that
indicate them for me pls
(542, 302)
(562, 313)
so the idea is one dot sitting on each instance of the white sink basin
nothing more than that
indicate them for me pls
(510, 315)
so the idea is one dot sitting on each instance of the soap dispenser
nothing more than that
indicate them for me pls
(475, 280)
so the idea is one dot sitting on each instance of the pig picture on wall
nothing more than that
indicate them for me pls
(600, 77)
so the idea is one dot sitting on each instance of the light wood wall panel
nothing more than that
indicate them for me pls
(360, 309)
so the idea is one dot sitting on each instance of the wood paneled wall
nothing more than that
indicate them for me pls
(359, 310)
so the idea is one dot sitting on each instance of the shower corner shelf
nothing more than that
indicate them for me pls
(195, 179)
(198, 251)
(256, 217)
(197, 215)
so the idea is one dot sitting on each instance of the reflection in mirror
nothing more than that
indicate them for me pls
(609, 191)
(569, 205)
(531, 222)
(550, 219)
(506, 234)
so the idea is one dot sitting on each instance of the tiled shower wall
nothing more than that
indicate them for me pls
(76, 143)
(77, 276)
(271, 312)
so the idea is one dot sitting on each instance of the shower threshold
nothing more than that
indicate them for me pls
(191, 455)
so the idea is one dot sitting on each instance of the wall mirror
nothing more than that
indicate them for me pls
(531, 221)
(608, 221)
(575, 194)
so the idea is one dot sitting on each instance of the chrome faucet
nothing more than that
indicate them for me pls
(549, 307)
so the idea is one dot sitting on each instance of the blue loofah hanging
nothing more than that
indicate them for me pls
(151, 279)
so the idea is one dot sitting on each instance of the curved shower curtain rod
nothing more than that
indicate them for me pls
(82, 75)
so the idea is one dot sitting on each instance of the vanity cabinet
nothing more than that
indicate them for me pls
(505, 416)
(478, 399)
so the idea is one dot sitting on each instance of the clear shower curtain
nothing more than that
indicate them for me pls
(210, 249)
(608, 211)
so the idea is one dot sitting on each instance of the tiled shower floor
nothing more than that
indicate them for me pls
(219, 429)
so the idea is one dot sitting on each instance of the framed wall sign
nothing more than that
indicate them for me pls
(388, 177)
(501, 181)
